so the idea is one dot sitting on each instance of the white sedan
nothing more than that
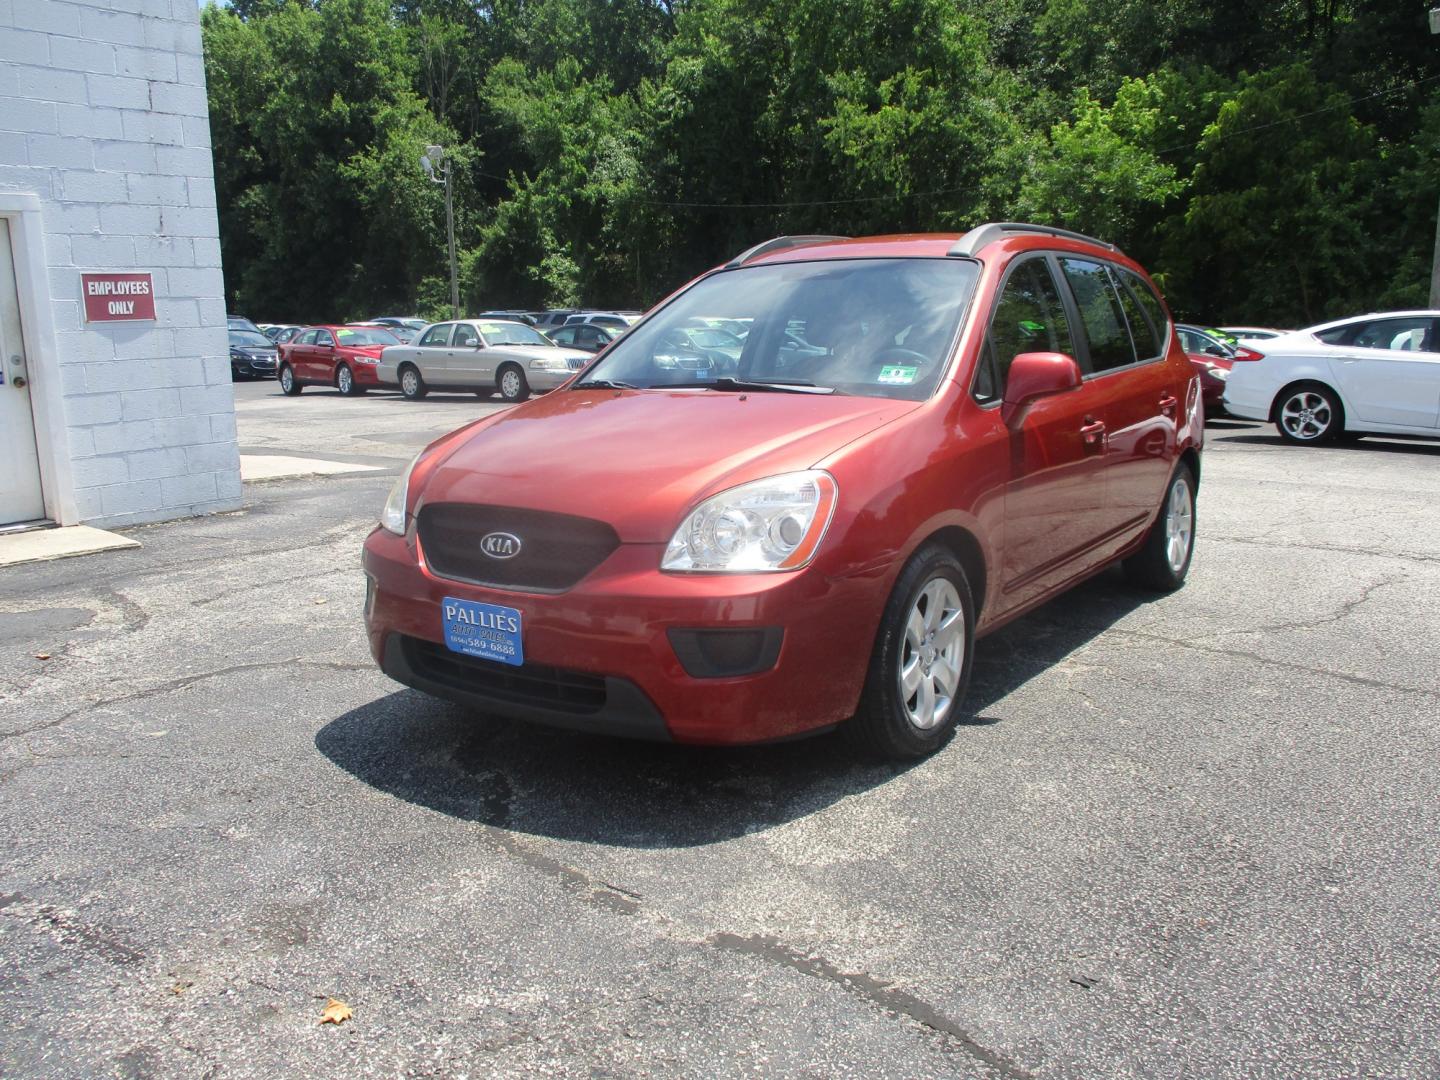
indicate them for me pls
(1373, 373)
(479, 355)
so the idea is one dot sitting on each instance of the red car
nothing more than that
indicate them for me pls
(340, 356)
(923, 437)
(1212, 359)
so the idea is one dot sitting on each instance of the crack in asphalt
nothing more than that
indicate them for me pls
(68, 929)
(1244, 654)
(181, 683)
(1339, 549)
(1345, 610)
(865, 986)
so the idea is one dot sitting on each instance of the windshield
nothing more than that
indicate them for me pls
(870, 327)
(365, 335)
(507, 333)
(249, 338)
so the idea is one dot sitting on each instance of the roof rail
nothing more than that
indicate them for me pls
(780, 243)
(980, 236)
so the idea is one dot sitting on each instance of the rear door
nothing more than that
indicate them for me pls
(1388, 370)
(1140, 395)
(1055, 498)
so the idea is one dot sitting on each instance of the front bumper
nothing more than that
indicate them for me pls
(613, 628)
(254, 365)
(545, 379)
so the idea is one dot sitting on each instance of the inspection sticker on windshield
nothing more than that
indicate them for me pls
(488, 631)
(897, 374)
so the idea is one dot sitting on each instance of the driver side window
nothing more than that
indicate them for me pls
(1029, 317)
(465, 335)
(436, 336)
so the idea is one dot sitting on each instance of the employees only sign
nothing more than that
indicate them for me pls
(118, 297)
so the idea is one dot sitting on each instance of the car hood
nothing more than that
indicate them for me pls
(365, 350)
(640, 459)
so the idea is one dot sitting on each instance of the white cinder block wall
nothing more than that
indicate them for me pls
(103, 115)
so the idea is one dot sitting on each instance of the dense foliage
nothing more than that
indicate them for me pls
(1273, 163)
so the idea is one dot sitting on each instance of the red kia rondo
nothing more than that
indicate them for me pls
(916, 439)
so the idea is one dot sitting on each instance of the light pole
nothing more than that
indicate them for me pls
(434, 160)
(1435, 258)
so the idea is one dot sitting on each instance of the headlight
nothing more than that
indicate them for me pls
(546, 363)
(361, 358)
(392, 518)
(771, 524)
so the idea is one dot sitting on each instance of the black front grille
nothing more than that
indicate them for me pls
(528, 684)
(556, 550)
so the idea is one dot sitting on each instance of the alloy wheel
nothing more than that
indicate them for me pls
(410, 382)
(933, 654)
(510, 384)
(1306, 415)
(1179, 524)
(344, 380)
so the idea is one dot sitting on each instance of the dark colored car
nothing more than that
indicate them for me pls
(818, 538)
(239, 322)
(252, 355)
(585, 336)
(340, 356)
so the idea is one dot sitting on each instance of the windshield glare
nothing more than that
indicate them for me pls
(506, 333)
(870, 327)
(365, 335)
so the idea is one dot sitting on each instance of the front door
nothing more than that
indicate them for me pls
(20, 495)
(1055, 501)
(1389, 371)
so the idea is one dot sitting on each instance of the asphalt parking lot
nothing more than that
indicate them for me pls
(1188, 836)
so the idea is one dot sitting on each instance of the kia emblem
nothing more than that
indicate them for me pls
(500, 545)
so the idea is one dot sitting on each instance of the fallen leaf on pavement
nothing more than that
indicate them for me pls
(336, 1012)
(42, 656)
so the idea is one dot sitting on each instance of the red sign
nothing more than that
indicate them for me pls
(118, 297)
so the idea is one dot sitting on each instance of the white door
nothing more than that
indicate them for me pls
(20, 497)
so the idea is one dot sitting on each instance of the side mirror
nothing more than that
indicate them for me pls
(1035, 375)
(1215, 350)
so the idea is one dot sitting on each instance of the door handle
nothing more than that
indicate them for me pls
(1093, 432)
(1168, 403)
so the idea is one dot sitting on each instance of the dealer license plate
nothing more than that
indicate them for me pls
(488, 631)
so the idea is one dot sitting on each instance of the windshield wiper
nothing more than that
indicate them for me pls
(604, 384)
(725, 382)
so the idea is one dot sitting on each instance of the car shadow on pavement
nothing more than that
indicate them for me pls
(1374, 444)
(590, 788)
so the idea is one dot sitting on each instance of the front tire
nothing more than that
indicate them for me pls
(513, 384)
(1308, 414)
(345, 382)
(412, 386)
(289, 385)
(920, 666)
(1164, 561)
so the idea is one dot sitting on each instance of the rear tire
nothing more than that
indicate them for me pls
(412, 386)
(920, 666)
(1307, 414)
(1164, 561)
(289, 385)
(512, 383)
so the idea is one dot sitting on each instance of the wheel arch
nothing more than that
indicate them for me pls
(966, 547)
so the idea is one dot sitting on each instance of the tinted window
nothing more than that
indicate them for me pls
(247, 338)
(1148, 300)
(874, 327)
(465, 335)
(1142, 328)
(566, 335)
(1100, 314)
(1392, 335)
(322, 337)
(1029, 317)
(437, 335)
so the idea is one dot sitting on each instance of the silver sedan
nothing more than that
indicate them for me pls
(479, 355)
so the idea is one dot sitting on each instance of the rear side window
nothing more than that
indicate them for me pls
(322, 337)
(1029, 317)
(1148, 300)
(1101, 314)
(1142, 329)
